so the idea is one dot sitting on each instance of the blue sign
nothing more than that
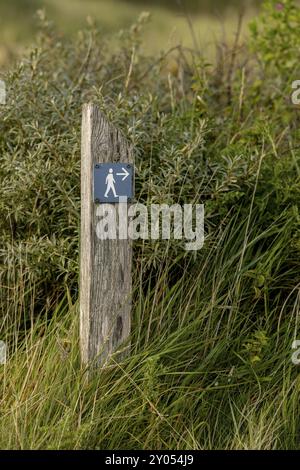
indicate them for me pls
(112, 181)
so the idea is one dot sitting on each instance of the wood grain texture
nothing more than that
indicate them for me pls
(105, 265)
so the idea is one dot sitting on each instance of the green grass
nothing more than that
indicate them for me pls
(212, 331)
(205, 372)
(167, 28)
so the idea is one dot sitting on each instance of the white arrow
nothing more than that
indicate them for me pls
(125, 174)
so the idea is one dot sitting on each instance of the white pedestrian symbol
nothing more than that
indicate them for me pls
(110, 183)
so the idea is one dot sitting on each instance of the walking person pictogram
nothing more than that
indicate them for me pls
(110, 183)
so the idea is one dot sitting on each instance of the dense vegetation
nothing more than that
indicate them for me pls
(210, 365)
(168, 26)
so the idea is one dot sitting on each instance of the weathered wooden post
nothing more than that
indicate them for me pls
(105, 264)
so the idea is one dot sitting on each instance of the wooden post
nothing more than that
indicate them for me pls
(105, 265)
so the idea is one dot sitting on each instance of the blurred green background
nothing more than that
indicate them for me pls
(211, 19)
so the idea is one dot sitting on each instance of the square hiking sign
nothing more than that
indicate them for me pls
(112, 181)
